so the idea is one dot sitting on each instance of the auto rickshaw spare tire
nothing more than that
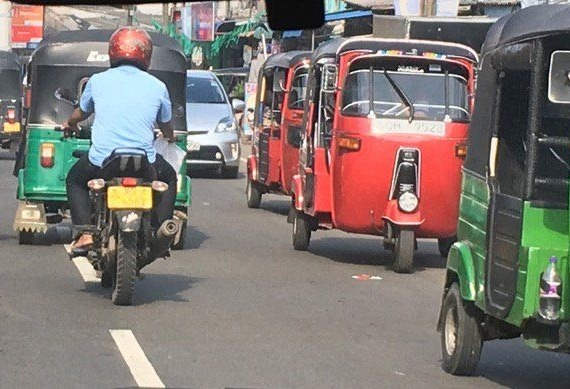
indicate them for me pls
(126, 269)
(301, 232)
(444, 245)
(230, 171)
(461, 340)
(26, 238)
(253, 194)
(404, 251)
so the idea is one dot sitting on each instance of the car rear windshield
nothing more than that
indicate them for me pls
(202, 90)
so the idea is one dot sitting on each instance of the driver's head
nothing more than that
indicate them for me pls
(130, 46)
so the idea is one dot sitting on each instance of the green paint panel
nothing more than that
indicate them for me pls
(547, 228)
(37, 183)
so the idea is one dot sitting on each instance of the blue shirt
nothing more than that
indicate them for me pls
(127, 103)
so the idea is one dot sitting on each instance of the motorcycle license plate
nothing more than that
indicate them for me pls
(11, 127)
(137, 197)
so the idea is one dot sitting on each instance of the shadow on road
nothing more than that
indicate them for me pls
(512, 364)
(194, 238)
(7, 156)
(280, 207)
(210, 173)
(152, 288)
(362, 251)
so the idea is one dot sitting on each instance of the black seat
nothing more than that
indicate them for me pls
(128, 163)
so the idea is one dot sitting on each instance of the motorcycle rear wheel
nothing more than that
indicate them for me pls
(126, 270)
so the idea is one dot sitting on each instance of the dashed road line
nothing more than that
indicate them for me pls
(142, 370)
(84, 267)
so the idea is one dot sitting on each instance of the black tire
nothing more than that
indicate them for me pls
(253, 195)
(230, 171)
(404, 252)
(444, 245)
(461, 340)
(26, 238)
(301, 232)
(180, 244)
(126, 272)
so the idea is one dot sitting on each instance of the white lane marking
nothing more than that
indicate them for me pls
(84, 267)
(140, 367)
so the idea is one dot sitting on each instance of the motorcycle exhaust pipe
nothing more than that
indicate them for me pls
(164, 237)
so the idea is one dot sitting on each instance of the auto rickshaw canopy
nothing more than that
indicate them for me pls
(69, 58)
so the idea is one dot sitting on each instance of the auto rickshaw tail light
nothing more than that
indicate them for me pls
(11, 114)
(47, 155)
(349, 143)
(461, 150)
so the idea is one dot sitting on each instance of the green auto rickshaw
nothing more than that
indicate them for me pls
(57, 74)
(508, 274)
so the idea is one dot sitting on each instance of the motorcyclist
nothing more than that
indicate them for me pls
(128, 103)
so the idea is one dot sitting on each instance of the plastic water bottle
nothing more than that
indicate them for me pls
(549, 301)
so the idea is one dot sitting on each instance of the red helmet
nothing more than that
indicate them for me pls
(130, 45)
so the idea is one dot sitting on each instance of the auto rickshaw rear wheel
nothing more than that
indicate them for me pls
(444, 245)
(461, 340)
(404, 251)
(26, 238)
(301, 232)
(253, 194)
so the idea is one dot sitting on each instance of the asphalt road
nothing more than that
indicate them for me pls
(238, 308)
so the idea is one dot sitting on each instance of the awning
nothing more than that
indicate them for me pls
(292, 33)
(343, 15)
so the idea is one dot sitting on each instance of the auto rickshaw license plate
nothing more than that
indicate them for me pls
(11, 127)
(137, 197)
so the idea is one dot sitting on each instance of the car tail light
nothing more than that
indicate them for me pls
(11, 114)
(129, 182)
(349, 143)
(47, 154)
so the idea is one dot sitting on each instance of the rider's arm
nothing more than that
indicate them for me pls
(164, 119)
(85, 109)
(77, 117)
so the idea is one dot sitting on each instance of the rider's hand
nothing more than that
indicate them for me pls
(72, 128)
(171, 139)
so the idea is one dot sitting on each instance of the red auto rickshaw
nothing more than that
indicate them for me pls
(386, 128)
(277, 126)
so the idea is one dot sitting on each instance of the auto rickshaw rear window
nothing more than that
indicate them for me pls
(298, 90)
(422, 81)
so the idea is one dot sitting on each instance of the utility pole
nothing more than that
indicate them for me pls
(165, 15)
(130, 14)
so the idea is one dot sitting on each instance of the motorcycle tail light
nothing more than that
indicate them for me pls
(460, 150)
(129, 182)
(159, 186)
(96, 184)
(47, 154)
(349, 143)
(11, 114)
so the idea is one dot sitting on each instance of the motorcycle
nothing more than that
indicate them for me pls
(122, 201)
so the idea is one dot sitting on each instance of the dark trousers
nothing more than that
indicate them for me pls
(78, 192)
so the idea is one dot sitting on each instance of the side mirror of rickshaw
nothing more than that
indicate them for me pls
(559, 77)
(328, 81)
(238, 105)
(65, 95)
(279, 81)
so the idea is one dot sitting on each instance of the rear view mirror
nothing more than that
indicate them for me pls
(279, 81)
(65, 95)
(559, 77)
(328, 80)
(238, 105)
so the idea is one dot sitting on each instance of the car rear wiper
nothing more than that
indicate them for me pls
(401, 95)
